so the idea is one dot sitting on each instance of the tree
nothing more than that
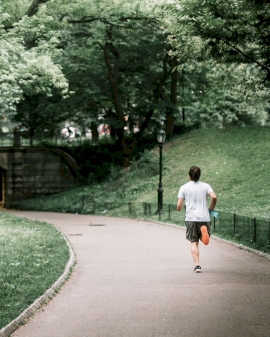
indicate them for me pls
(120, 51)
(125, 63)
(27, 59)
(209, 97)
(231, 31)
(36, 114)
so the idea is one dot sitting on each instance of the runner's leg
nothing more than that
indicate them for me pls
(195, 252)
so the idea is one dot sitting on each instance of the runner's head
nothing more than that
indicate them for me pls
(194, 173)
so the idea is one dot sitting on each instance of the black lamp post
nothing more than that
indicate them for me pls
(161, 135)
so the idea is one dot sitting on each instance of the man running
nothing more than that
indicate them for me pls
(194, 194)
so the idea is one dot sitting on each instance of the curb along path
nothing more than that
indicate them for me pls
(135, 279)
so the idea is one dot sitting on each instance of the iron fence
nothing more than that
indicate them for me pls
(250, 231)
(151, 210)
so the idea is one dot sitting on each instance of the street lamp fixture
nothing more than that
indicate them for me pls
(161, 135)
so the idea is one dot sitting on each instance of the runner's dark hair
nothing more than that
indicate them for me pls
(194, 173)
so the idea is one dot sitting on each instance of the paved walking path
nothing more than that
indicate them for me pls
(136, 279)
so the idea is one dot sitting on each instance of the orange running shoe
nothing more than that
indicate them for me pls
(204, 235)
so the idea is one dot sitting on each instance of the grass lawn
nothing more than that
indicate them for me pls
(233, 161)
(33, 255)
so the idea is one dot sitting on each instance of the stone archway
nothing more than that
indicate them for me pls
(28, 172)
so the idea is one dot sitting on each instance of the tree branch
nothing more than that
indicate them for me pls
(157, 94)
(116, 54)
(33, 9)
(245, 55)
(85, 19)
(106, 57)
(89, 19)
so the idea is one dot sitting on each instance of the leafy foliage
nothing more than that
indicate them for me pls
(134, 66)
(231, 31)
(214, 101)
(25, 68)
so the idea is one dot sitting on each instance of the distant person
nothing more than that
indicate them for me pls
(194, 194)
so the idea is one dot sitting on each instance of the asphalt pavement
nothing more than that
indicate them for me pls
(135, 279)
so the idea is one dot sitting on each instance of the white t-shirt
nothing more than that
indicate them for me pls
(195, 195)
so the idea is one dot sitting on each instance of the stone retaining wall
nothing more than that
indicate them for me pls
(33, 171)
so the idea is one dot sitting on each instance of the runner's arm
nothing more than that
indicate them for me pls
(180, 204)
(213, 197)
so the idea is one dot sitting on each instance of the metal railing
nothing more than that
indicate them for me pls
(250, 231)
(7, 139)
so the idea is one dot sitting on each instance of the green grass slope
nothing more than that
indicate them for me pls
(234, 161)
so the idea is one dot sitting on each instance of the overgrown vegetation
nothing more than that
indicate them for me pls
(97, 159)
(33, 255)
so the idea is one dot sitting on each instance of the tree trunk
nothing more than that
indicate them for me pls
(113, 75)
(112, 133)
(157, 95)
(94, 131)
(111, 120)
(32, 10)
(183, 114)
(173, 99)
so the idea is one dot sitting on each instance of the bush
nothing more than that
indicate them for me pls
(147, 165)
(182, 127)
(95, 159)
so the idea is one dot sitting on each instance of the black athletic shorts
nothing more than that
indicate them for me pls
(193, 232)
